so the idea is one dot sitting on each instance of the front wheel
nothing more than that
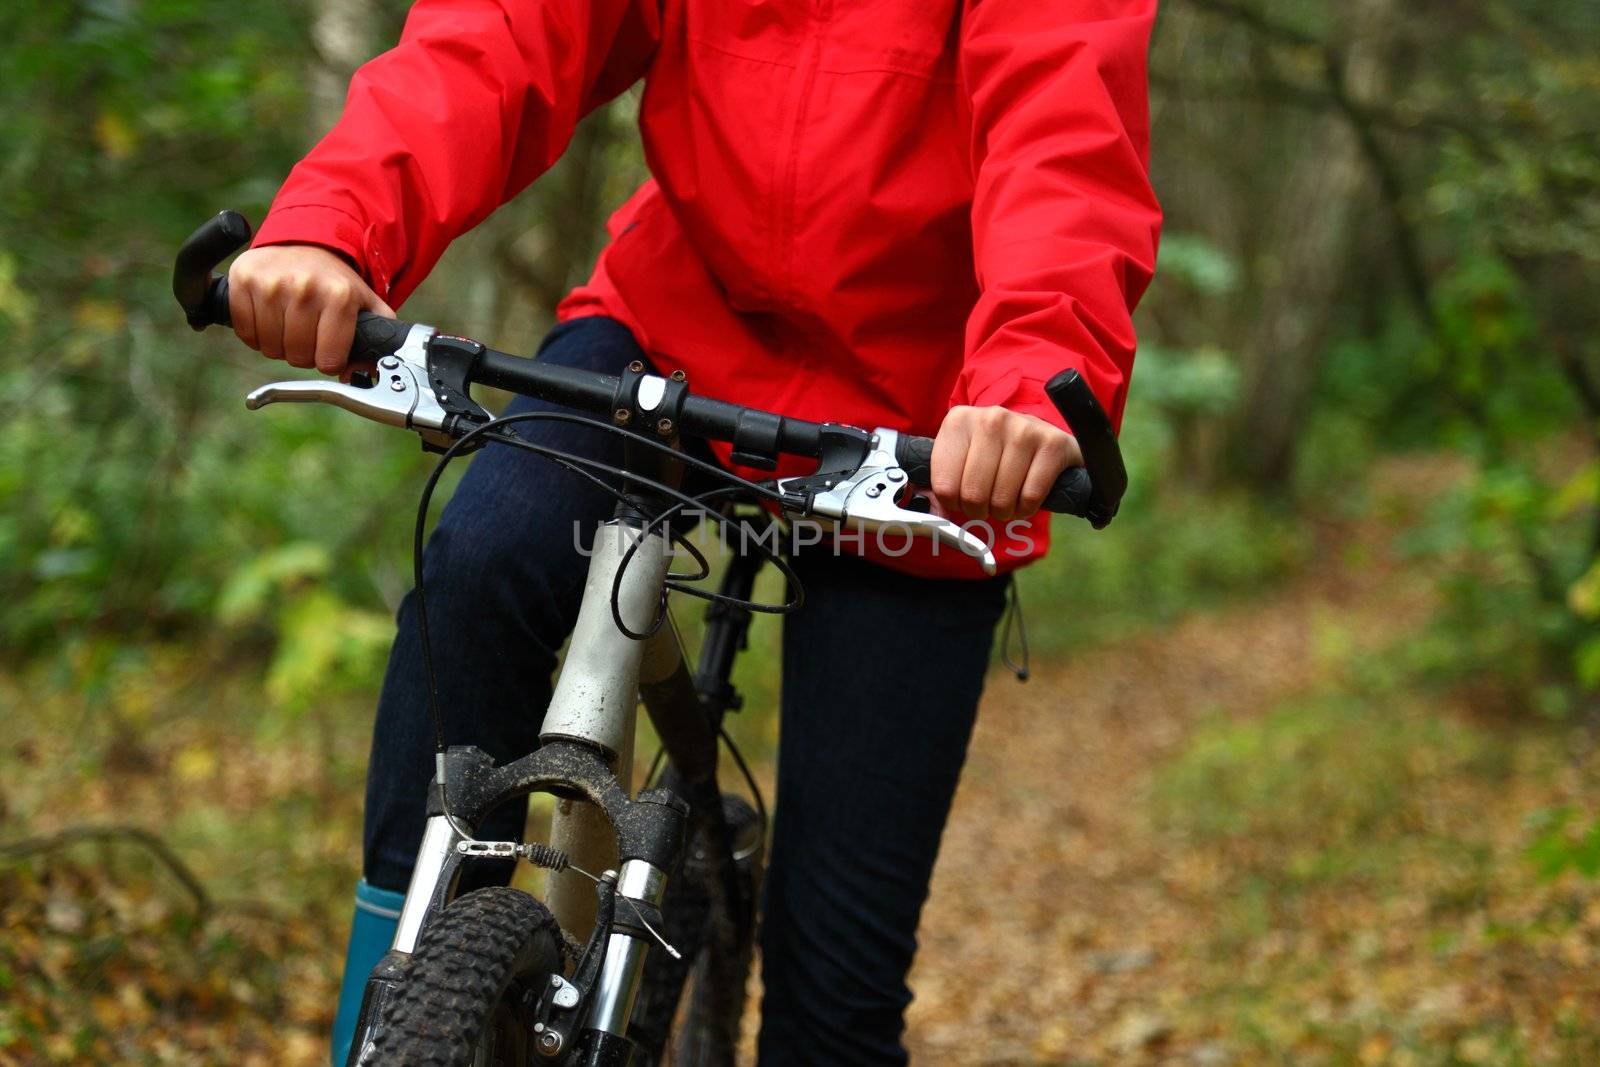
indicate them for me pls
(460, 1003)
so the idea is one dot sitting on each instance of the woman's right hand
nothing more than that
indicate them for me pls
(299, 303)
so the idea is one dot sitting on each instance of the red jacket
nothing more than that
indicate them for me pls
(863, 211)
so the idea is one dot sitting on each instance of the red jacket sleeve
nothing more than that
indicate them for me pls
(1064, 221)
(479, 98)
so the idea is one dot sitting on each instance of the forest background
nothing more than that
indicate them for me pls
(1364, 428)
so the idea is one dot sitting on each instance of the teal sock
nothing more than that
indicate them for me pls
(371, 933)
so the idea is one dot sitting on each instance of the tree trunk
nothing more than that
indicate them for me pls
(341, 34)
(1308, 245)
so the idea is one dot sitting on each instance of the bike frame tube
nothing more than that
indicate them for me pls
(596, 701)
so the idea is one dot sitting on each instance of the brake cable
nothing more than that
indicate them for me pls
(585, 467)
(1014, 612)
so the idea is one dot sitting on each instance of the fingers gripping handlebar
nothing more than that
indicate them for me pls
(451, 364)
(1071, 495)
(1094, 490)
(203, 295)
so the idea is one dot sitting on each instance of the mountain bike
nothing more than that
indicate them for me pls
(641, 950)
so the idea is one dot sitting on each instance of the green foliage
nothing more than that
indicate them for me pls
(1321, 789)
(325, 646)
(1526, 177)
(1198, 262)
(1560, 846)
(1187, 387)
(133, 485)
(1199, 381)
(1491, 358)
(1464, 317)
(140, 117)
(1169, 556)
(1516, 531)
(250, 589)
(1518, 600)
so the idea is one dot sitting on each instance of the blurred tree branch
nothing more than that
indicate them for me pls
(151, 843)
(1263, 24)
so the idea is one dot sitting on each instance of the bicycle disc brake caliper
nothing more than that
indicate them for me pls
(866, 496)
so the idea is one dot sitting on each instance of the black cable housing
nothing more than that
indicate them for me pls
(586, 467)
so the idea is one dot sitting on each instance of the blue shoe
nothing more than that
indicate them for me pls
(371, 933)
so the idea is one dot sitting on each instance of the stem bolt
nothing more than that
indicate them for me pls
(664, 427)
(621, 415)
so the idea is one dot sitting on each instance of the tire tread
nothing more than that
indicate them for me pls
(463, 963)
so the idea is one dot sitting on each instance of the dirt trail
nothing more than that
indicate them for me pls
(1051, 913)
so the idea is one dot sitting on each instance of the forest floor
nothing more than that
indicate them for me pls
(1245, 838)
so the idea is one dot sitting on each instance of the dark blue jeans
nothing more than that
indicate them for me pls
(881, 678)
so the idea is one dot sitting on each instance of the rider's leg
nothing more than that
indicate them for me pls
(372, 930)
(504, 579)
(882, 674)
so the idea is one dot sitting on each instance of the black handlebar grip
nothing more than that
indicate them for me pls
(202, 294)
(377, 337)
(1071, 495)
(217, 311)
(1102, 458)
(915, 456)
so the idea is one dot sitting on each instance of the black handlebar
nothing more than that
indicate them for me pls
(1076, 492)
(1071, 495)
(1093, 491)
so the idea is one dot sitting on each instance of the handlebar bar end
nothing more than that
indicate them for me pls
(203, 300)
(1102, 458)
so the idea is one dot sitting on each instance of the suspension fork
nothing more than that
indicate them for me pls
(596, 696)
(595, 701)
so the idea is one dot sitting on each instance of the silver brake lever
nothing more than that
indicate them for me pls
(866, 499)
(400, 396)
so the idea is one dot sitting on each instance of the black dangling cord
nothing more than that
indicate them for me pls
(1014, 611)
